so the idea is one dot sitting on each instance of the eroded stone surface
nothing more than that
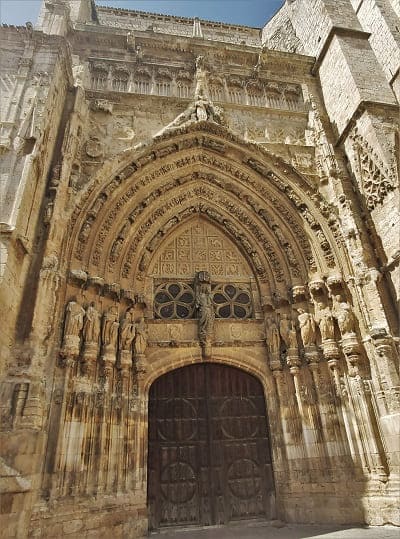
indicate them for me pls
(178, 191)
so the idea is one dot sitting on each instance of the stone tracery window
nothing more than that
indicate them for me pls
(235, 90)
(232, 301)
(256, 99)
(217, 92)
(274, 95)
(99, 79)
(142, 81)
(142, 86)
(292, 95)
(120, 80)
(183, 89)
(255, 93)
(176, 300)
(163, 88)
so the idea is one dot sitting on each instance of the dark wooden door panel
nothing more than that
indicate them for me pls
(209, 458)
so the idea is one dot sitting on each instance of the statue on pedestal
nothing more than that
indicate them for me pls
(324, 320)
(109, 333)
(205, 307)
(307, 327)
(344, 315)
(128, 331)
(91, 324)
(141, 337)
(73, 319)
(74, 315)
(273, 339)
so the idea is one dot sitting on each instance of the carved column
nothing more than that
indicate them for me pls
(139, 346)
(288, 411)
(290, 420)
(385, 352)
(370, 440)
(332, 355)
(317, 442)
(69, 354)
(381, 349)
(33, 409)
(293, 361)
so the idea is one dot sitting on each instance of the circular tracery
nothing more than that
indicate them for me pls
(174, 300)
(232, 301)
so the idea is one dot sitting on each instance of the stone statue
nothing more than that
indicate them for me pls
(91, 324)
(205, 308)
(199, 63)
(128, 331)
(140, 343)
(284, 328)
(73, 319)
(273, 339)
(292, 337)
(307, 327)
(324, 320)
(344, 315)
(109, 334)
(201, 110)
(78, 73)
(201, 79)
(288, 332)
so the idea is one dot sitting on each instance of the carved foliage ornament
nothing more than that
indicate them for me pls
(376, 179)
(184, 143)
(248, 246)
(213, 161)
(232, 208)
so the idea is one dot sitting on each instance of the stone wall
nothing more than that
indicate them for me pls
(381, 20)
(179, 26)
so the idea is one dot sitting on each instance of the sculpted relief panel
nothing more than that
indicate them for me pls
(201, 247)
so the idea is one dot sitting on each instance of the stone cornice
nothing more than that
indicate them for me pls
(173, 18)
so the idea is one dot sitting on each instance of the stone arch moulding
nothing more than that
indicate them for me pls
(277, 210)
(256, 366)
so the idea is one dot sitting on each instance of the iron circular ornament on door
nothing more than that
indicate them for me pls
(173, 429)
(221, 473)
(243, 478)
(183, 480)
(233, 411)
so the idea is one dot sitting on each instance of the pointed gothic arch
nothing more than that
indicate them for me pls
(286, 229)
(286, 236)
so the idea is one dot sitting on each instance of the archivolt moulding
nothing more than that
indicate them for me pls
(267, 176)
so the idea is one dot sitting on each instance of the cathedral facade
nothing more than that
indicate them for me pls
(199, 273)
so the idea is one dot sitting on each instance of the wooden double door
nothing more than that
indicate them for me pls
(209, 456)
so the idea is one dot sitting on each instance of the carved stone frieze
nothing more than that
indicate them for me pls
(375, 178)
